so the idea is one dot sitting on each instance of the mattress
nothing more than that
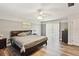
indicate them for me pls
(29, 41)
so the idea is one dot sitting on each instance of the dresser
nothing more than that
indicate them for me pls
(2, 43)
(65, 36)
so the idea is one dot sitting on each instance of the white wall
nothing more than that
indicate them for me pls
(73, 30)
(6, 26)
(64, 25)
(36, 28)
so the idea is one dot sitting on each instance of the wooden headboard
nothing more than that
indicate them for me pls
(15, 33)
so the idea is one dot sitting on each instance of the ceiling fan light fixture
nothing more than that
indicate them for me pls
(39, 17)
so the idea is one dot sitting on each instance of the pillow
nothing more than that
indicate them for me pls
(24, 34)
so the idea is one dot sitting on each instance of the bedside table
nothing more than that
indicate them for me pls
(3, 43)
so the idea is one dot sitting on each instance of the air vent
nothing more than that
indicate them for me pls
(70, 4)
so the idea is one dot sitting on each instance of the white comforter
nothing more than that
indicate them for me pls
(26, 40)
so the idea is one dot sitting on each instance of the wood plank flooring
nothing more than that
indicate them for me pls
(64, 50)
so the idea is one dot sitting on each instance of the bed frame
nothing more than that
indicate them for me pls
(28, 51)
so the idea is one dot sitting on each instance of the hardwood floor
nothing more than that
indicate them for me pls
(70, 50)
(64, 50)
(9, 51)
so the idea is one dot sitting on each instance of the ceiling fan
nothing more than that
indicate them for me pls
(41, 14)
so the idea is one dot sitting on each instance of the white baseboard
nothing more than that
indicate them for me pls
(75, 43)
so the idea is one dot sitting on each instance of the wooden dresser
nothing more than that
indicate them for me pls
(3, 43)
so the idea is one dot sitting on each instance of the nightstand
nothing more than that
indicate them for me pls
(3, 43)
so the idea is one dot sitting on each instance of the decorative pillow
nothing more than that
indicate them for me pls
(24, 34)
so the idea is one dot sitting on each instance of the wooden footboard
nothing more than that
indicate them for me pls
(31, 50)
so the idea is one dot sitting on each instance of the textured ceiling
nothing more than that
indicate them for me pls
(29, 11)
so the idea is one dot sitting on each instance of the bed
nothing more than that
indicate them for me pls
(26, 42)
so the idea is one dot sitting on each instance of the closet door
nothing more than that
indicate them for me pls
(52, 31)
